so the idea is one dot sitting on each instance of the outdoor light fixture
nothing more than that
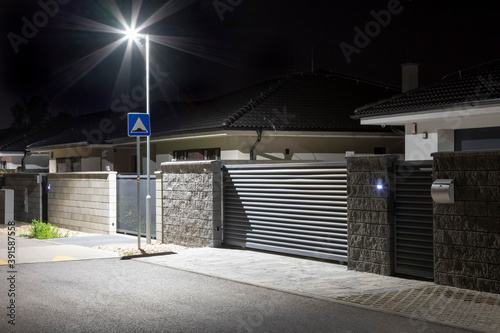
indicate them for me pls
(379, 185)
(133, 35)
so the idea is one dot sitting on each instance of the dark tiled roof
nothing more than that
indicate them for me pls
(321, 101)
(311, 102)
(93, 128)
(19, 139)
(466, 88)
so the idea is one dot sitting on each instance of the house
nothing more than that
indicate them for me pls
(295, 117)
(460, 113)
(456, 123)
(13, 143)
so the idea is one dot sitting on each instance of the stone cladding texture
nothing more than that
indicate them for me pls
(370, 219)
(191, 203)
(467, 232)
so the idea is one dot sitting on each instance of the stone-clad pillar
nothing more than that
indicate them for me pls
(370, 221)
(467, 232)
(191, 203)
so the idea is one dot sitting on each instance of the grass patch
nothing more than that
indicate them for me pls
(41, 230)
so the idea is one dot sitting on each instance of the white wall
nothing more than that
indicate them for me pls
(440, 127)
(320, 146)
(83, 201)
(13, 159)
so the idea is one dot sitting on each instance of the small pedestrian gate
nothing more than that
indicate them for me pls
(414, 220)
(126, 204)
(292, 208)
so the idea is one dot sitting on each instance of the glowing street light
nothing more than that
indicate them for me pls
(134, 35)
(199, 47)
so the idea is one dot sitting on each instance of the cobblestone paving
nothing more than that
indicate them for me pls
(464, 308)
(471, 310)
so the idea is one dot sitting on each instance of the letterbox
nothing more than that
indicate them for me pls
(442, 191)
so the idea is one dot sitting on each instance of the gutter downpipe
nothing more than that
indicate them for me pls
(259, 137)
(26, 152)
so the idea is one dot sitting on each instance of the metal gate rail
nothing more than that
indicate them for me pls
(292, 208)
(414, 220)
(126, 204)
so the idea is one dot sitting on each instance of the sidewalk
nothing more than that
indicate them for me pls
(456, 307)
(29, 250)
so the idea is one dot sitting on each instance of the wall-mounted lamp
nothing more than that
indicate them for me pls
(425, 135)
(380, 185)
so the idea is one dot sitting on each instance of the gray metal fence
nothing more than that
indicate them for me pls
(126, 204)
(293, 208)
(414, 220)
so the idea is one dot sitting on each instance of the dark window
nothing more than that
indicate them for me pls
(476, 139)
(379, 150)
(197, 154)
(69, 164)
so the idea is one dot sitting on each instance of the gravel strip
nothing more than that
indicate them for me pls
(130, 250)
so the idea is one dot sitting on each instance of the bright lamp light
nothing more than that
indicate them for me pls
(132, 33)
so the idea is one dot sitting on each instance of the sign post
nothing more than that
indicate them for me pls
(138, 125)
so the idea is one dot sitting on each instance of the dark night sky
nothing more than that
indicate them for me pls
(256, 40)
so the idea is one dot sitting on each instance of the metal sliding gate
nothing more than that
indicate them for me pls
(126, 204)
(414, 220)
(292, 208)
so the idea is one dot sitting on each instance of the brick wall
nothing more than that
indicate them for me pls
(83, 201)
(467, 233)
(192, 203)
(370, 219)
(27, 195)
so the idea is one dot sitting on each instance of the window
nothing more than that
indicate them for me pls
(476, 139)
(197, 154)
(69, 164)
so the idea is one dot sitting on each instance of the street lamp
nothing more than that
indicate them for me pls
(132, 34)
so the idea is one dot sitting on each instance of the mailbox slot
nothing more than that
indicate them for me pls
(442, 191)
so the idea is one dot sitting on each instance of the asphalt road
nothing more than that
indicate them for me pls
(113, 295)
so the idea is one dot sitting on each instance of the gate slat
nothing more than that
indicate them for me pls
(291, 208)
(414, 220)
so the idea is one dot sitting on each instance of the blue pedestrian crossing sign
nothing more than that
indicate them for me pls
(138, 124)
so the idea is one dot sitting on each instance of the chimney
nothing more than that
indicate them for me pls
(410, 76)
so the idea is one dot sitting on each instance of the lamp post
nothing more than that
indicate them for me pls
(148, 151)
(132, 34)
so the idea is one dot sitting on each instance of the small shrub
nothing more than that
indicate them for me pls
(40, 230)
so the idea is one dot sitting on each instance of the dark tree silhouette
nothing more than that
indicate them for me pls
(31, 113)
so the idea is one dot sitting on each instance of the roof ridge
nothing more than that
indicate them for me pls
(254, 103)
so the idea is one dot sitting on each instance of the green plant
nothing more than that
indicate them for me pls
(41, 230)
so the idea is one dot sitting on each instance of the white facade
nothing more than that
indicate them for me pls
(434, 131)
(233, 145)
